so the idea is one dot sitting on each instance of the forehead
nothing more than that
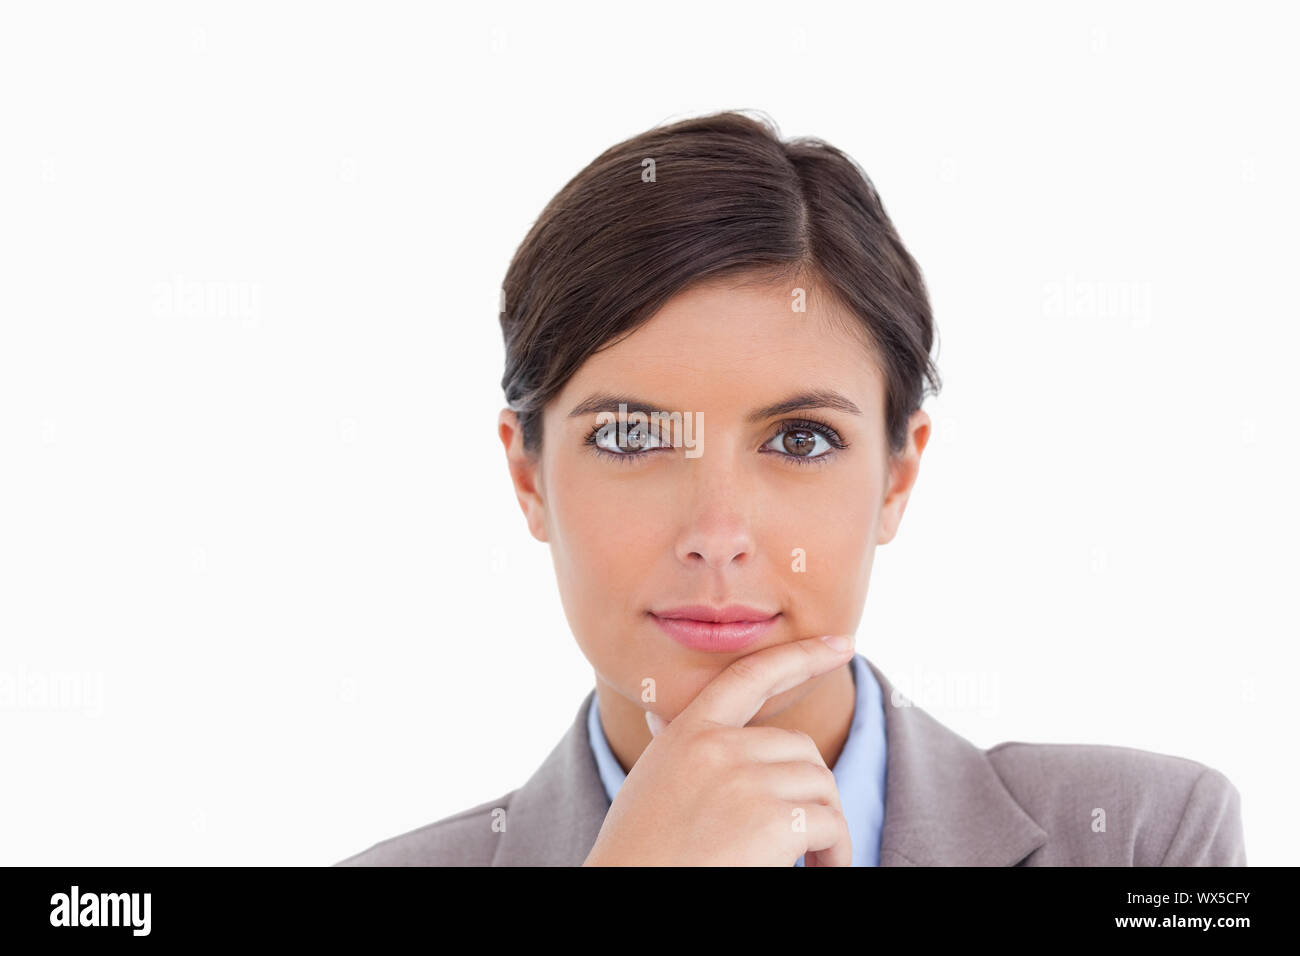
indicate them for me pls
(723, 345)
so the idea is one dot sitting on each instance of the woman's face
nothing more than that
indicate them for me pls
(741, 519)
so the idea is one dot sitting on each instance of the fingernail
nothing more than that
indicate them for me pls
(838, 642)
(654, 722)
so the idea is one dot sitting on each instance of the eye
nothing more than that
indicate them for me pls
(805, 442)
(639, 439)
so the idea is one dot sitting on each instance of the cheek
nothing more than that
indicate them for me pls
(607, 547)
(601, 540)
(836, 530)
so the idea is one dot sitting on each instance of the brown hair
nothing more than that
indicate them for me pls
(727, 196)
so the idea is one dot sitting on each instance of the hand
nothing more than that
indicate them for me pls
(710, 791)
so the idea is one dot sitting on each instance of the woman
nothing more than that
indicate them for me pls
(706, 269)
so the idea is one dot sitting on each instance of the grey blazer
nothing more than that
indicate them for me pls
(947, 803)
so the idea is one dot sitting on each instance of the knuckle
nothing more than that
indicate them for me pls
(740, 783)
(712, 748)
(806, 742)
(796, 732)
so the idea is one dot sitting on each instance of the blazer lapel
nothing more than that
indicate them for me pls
(944, 803)
(554, 818)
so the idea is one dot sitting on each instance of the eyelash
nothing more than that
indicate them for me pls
(802, 424)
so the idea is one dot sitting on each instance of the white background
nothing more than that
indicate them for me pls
(266, 595)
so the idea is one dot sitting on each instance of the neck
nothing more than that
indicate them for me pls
(824, 712)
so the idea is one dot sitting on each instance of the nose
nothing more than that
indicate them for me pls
(716, 550)
(718, 530)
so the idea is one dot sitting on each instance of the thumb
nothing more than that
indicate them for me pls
(655, 722)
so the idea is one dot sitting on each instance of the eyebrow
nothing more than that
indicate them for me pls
(817, 398)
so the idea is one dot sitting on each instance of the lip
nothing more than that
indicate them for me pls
(715, 630)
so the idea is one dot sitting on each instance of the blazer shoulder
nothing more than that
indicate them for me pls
(467, 838)
(1121, 806)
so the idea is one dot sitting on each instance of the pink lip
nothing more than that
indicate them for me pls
(715, 630)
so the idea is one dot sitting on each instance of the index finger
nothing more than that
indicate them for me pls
(744, 685)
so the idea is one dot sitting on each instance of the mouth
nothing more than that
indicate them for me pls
(715, 630)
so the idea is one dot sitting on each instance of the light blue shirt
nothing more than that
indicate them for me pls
(859, 770)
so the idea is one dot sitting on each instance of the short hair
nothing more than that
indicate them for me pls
(727, 196)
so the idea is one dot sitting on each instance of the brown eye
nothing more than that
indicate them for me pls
(799, 442)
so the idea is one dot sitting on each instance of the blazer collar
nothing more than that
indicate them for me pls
(945, 805)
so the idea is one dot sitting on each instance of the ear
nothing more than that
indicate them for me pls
(903, 469)
(525, 473)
